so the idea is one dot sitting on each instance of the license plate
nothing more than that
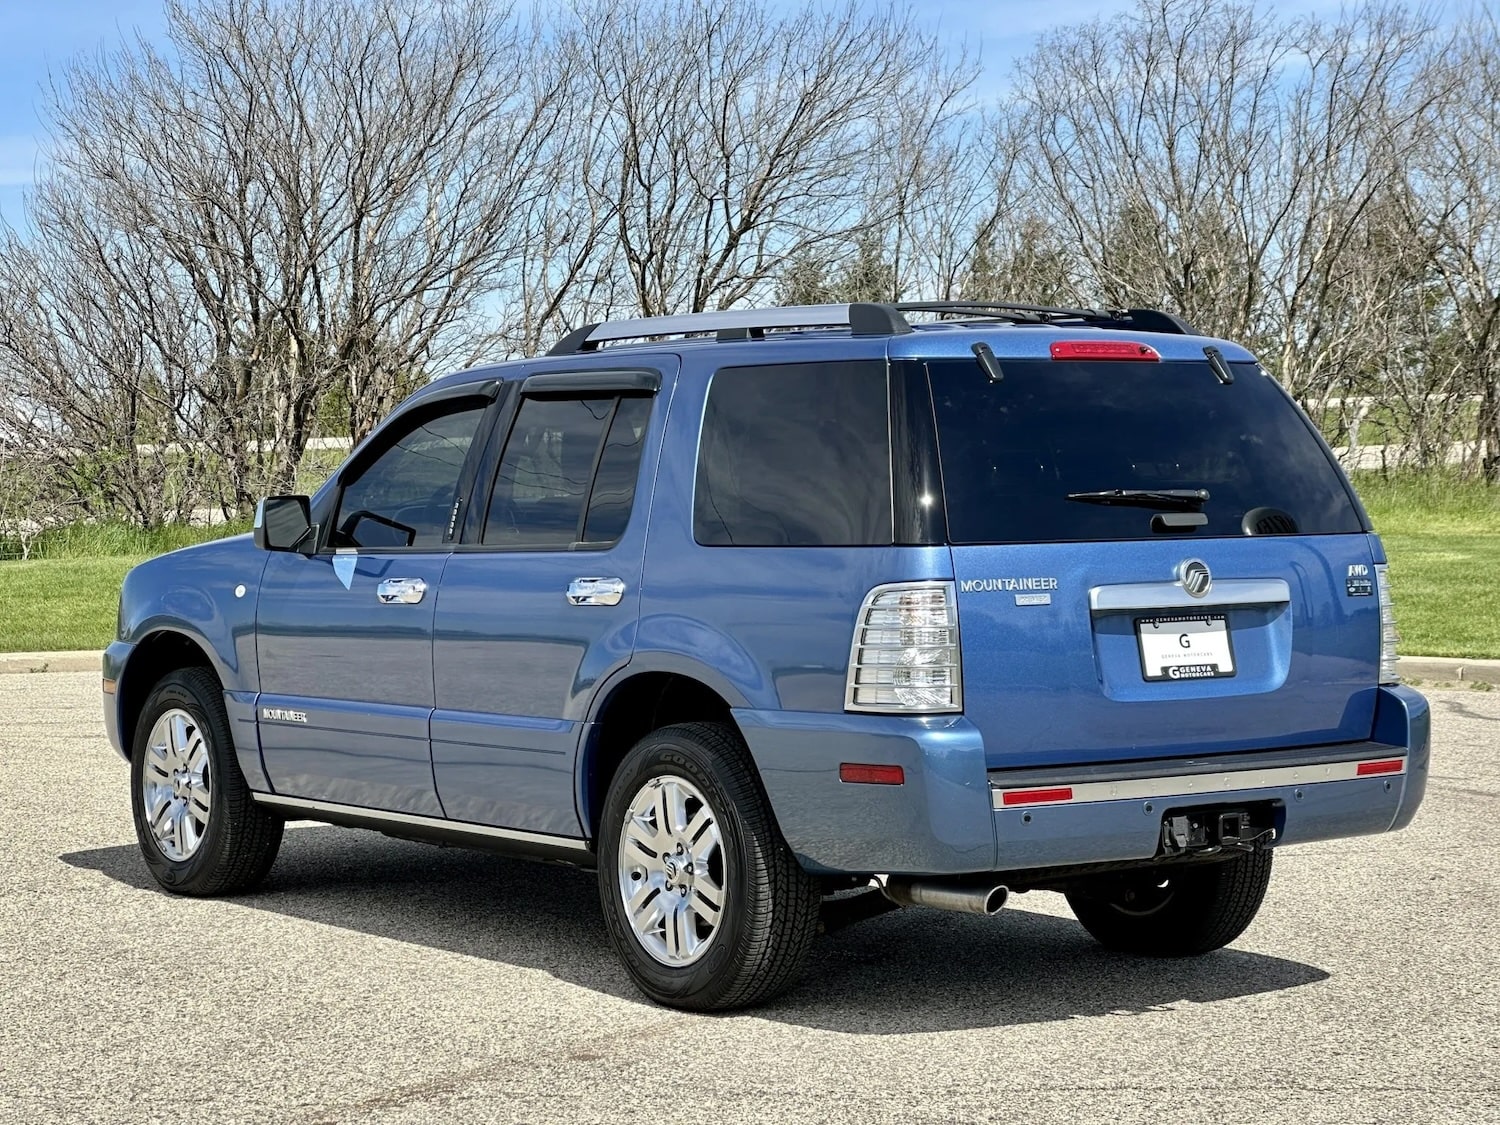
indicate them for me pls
(1185, 646)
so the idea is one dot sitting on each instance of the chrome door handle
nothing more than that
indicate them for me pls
(402, 591)
(595, 591)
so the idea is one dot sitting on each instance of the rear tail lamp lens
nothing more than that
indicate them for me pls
(905, 658)
(1388, 635)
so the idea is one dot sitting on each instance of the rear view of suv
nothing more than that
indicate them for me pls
(779, 618)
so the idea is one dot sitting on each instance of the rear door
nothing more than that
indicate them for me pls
(1124, 627)
(541, 600)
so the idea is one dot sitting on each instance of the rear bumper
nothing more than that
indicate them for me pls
(951, 815)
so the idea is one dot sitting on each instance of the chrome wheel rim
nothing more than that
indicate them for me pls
(670, 869)
(176, 793)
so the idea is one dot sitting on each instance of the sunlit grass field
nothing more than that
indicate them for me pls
(66, 595)
(1442, 536)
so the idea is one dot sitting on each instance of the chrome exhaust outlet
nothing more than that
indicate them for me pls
(945, 896)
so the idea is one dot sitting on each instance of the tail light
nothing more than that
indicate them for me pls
(1388, 634)
(905, 656)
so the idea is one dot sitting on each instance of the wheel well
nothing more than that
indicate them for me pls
(633, 710)
(153, 658)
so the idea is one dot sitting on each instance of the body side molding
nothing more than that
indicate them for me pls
(432, 828)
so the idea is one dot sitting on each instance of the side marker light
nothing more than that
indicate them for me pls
(859, 773)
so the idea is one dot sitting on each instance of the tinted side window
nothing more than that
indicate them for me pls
(619, 465)
(795, 455)
(542, 484)
(405, 497)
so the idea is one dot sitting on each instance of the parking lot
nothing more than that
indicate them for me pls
(377, 980)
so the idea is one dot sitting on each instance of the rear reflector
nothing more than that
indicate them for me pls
(1104, 349)
(1037, 796)
(1371, 769)
(861, 774)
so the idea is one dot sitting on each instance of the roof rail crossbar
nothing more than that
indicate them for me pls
(862, 319)
(1002, 309)
(1144, 320)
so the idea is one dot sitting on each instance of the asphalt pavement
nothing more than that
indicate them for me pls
(377, 980)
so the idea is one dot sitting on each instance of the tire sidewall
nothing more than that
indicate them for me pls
(667, 754)
(1208, 907)
(176, 691)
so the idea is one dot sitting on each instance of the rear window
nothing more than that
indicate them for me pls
(795, 455)
(1013, 451)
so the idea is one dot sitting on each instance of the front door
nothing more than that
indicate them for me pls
(345, 636)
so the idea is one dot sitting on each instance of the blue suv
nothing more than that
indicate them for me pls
(779, 618)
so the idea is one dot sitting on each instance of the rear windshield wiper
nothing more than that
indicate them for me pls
(1191, 498)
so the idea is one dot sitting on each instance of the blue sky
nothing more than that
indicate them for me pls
(38, 36)
(35, 37)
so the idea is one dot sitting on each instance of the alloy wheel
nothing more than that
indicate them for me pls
(670, 870)
(176, 787)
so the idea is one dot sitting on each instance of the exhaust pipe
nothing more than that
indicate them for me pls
(945, 896)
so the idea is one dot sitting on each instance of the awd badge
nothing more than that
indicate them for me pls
(1359, 584)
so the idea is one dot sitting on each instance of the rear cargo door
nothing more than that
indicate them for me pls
(1106, 610)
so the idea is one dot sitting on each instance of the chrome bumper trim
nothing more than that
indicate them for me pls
(1196, 784)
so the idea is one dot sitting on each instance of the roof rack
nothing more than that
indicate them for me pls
(861, 318)
(1002, 310)
(1142, 320)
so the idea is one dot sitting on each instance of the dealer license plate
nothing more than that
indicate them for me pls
(1185, 646)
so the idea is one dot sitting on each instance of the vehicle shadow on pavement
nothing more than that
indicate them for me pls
(908, 971)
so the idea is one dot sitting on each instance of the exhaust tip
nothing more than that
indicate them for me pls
(946, 896)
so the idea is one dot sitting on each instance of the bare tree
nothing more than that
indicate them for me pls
(99, 354)
(1454, 213)
(327, 189)
(1219, 160)
(304, 208)
(742, 140)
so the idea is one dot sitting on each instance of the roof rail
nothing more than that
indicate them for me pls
(1144, 320)
(861, 318)
(1003, 310)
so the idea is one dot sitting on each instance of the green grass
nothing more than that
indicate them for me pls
(1442, 537)
(118, 540)
(51, 604)
(66, 595)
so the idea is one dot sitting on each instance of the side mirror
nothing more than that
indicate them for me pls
(284, 523)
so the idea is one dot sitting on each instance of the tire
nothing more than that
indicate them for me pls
(1174, 912)
(737, 924)
(211, 837)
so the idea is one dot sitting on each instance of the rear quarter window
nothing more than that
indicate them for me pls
(1012, 451)
(795, 455)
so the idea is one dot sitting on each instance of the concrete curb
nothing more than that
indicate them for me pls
(1424, 669)
(87, 661)
(1448, 670)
